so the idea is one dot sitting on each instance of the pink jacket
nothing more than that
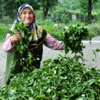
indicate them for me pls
(49, 41)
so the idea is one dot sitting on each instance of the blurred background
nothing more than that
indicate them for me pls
(54, 15)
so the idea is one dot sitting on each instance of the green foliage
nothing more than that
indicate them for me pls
(25, 34)
(22, 45)
(87, 8)
(84, 8)
(52, 6)
(75, 22)
(94, 30)
(95, 16)
(39, 15)
(60, 78)
(48, 25)
(80, 16)
(11, 7)
(61, 16)
(73, 37)
(46, 5)
(69, 4)
(6, 20)
(3, 30)
(55, 32)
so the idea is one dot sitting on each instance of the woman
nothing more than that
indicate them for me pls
(40, 37)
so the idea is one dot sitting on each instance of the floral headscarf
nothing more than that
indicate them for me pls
(37, 30)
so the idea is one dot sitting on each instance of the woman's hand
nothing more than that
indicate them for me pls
(15, 37)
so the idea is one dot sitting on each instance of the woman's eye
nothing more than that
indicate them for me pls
(24, 13)
(30, 12)
(27, 12)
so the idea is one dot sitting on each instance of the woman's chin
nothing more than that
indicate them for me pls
(27, 24)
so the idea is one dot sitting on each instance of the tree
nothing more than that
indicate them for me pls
(1, 8)
(70, 4)
(46, 5)
(11, 6)
(87, 8)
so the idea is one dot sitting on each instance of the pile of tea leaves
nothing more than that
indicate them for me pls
(61, 78)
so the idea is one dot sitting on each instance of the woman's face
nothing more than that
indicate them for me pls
(27, 15)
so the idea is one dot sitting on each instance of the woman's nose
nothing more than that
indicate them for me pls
(27, 14)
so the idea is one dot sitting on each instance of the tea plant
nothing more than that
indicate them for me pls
(73, 37)
(22, 45)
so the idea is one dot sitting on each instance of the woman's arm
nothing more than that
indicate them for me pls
(9, 41)
(7, 45)
(52, 43)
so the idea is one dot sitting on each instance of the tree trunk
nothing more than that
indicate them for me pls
(45, 11)
(89, 11)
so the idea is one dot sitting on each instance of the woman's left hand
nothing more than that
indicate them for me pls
(15, 37)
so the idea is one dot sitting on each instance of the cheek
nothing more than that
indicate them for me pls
(22, 17)
(32, 17)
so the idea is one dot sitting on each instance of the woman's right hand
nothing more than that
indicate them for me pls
(15, 37)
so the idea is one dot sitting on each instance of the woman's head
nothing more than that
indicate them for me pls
(27, 15)
(26, 12)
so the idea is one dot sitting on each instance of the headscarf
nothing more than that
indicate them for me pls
(38, 33)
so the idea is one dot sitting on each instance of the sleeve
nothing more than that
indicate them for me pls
(53, 43)
(7, 46)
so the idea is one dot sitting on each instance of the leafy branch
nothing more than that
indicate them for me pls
(73, 37)
(22, 45)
